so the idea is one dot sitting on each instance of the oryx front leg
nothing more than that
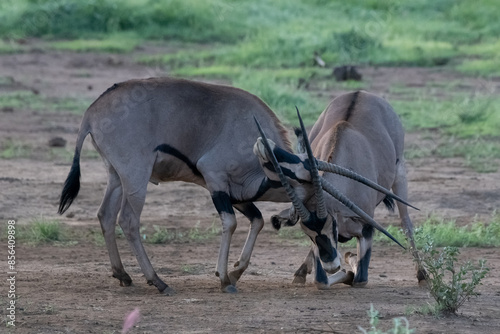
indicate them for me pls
(223, 205)
(323, 281)
(360, 261)
(256, 224)
(304, 269)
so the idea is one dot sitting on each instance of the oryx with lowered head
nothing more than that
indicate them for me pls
(358, 131)
(165, 129)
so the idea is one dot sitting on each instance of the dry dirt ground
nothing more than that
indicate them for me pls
(68, 288)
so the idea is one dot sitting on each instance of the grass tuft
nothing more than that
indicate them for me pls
(12, 149)
(42, 230)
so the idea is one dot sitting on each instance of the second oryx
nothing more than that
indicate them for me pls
(359, 131)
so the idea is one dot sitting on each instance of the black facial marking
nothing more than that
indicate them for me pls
(288, 173)
(362, 274)
(167, 149)
(314, 223)
(222, 202)
(321, 276)
(326, 251)
(283, 156)
(367, 231)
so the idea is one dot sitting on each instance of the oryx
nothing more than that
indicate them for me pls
(164, 129)
(359, 131)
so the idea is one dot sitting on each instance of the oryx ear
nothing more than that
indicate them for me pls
(301, 146)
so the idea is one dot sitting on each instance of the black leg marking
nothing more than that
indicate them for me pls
(167, 149)
(222, 202)
(362, 274)
(321, 276)
(367, 231)
(249, 210)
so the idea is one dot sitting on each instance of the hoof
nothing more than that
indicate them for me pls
(350, 278)
(124, 279)
(299, 280)
(359, 284)
(229, 289)
(168, 291)
(421, 275)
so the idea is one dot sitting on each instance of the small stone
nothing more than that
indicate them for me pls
(57, 142)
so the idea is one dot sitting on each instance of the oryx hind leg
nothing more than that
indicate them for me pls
(400, 188)
(107, 214)
(133, 199)
(256, 224)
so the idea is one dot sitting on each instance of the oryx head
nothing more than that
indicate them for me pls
(299, 175)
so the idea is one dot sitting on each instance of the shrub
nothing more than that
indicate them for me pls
(450, 286)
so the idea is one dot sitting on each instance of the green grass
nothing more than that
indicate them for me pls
(267, 48)
(459, 115)
(12, 149)
(446, 233)
(161, 235)
(28, 100)
(66, 154)
(114, 43)
(482, 154)
(274, 34)
(294, 234)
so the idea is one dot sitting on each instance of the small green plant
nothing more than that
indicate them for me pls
(198, 234)
(49, 309)
(43, 230)
(400, 325)
(160, 235)
(449, 285)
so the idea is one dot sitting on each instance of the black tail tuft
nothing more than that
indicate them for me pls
(71, 186)
(389, 203)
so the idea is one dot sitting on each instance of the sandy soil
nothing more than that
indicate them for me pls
(68, 288)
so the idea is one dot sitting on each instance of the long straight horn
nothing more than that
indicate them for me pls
(297, 203)
(357, 210)
(336, 169)
(316, 180)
